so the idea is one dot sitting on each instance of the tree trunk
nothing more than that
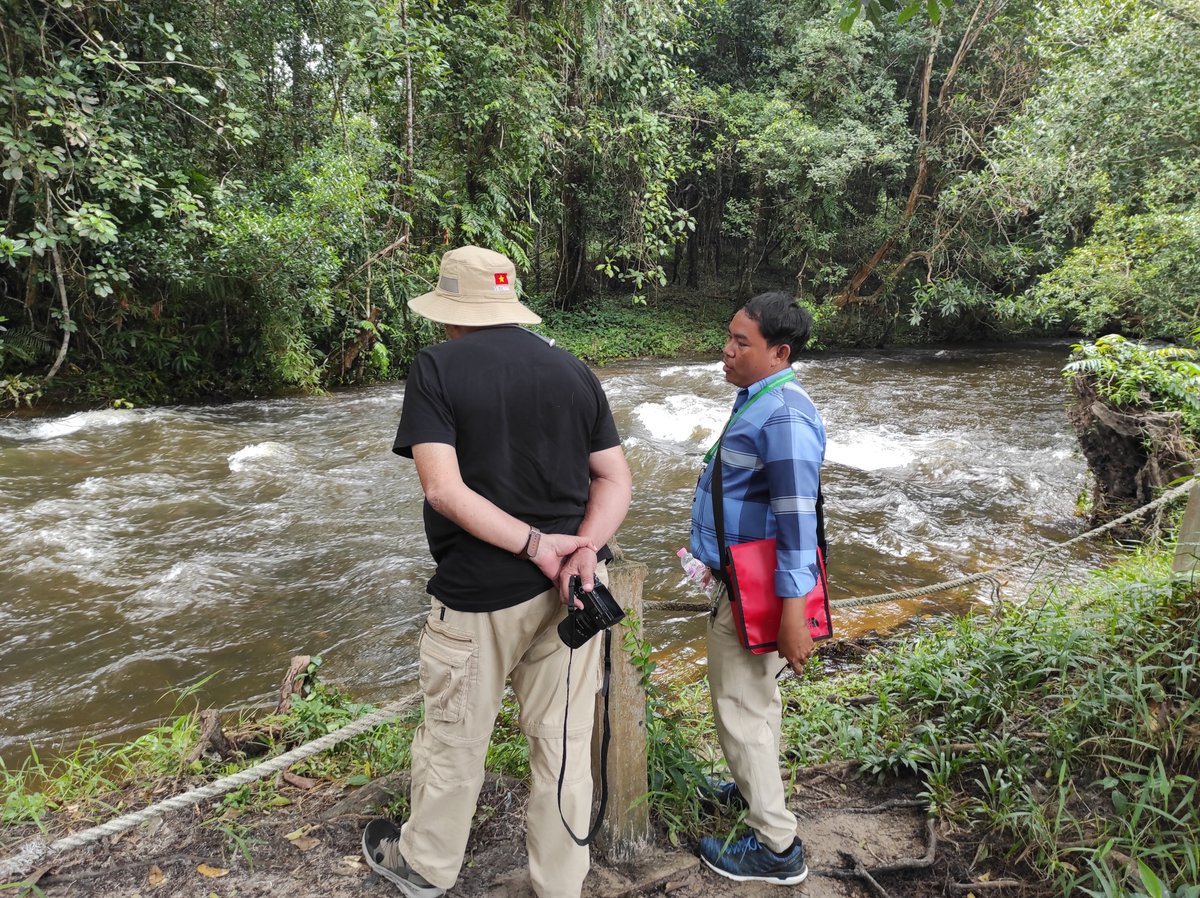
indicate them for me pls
(851, 293)
(572, 250)
(985, 12)
(60, 279)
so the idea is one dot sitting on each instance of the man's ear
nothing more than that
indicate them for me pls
(782, 352)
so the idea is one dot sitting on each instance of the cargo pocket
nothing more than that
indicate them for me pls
(447, 671)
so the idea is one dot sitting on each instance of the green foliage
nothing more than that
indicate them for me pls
(88, 779)
(1090, 192)
(873, 10)
(794, 116)
(679, 737)
(16, 391)
(204, 203)
(1133, 377)
(602, 333)
(1063, 723)
(1137, 272)
(508, 751)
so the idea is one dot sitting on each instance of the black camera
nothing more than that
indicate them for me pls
(599, 612)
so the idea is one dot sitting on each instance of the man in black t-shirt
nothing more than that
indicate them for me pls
(525, 482)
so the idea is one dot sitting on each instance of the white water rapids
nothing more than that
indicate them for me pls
(144, 550)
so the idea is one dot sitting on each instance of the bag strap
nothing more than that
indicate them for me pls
(604, 740)
(718, 495)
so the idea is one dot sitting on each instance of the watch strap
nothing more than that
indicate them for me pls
(531, 544)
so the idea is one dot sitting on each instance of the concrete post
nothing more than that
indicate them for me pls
(626, 829)
(1187, 550)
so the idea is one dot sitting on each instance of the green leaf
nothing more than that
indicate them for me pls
(1153, 885)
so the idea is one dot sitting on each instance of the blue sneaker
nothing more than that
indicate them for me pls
(748, 860)
(717, 794)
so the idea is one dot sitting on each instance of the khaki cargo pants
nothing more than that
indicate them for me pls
(749, 714)
(465, 660)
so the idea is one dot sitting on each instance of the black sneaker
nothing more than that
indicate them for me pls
(748, 860)
(718, 794)
(381, 848)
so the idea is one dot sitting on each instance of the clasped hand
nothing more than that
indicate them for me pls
(561, 557)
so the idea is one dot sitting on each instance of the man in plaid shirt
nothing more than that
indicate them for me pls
(771, 455)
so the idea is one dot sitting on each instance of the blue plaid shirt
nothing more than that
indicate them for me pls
(771, 463)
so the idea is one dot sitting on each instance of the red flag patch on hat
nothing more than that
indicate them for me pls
(501, 278)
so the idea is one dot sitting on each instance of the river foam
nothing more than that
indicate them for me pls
(258, 455)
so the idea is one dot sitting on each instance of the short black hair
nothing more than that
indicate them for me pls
(780, 319)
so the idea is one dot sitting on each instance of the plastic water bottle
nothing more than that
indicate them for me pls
(698, 573)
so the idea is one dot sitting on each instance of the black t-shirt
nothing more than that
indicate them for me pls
(523, 418)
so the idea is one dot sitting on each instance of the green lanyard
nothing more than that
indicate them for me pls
(774, 382)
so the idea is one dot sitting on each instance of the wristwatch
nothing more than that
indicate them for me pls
(531, 544)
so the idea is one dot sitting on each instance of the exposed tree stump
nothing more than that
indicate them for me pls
(1133, 453)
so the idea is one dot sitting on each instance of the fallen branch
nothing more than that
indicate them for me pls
(94, 872)
(890, 804)
(832, 769)
(859, 871)
(663, 882)
(368, 798)
(854, 701)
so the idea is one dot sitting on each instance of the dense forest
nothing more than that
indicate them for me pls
(236, 197)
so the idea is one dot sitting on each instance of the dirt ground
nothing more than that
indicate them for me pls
(861, 840)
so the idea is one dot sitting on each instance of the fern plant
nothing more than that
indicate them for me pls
(21, 344)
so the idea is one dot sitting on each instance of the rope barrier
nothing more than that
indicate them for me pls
(36, 850)
(1165, 498)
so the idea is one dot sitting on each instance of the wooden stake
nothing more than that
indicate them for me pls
(626, 829)
(1187, 550)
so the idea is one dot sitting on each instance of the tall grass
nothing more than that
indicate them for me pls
(1071, 724)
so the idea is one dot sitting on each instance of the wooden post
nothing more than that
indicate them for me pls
(1187, 550)
(626, 829)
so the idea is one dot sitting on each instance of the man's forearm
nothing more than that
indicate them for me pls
(480, 517)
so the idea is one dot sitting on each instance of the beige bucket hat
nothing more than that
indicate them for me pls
(476, 288)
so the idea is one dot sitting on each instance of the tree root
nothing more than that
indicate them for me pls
(212, 739)
(858, 871)
(256, 738)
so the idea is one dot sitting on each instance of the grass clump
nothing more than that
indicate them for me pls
(95, 781)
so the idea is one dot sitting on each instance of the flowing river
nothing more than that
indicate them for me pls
(142, 551)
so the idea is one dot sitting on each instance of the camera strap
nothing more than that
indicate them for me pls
(604, 739)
